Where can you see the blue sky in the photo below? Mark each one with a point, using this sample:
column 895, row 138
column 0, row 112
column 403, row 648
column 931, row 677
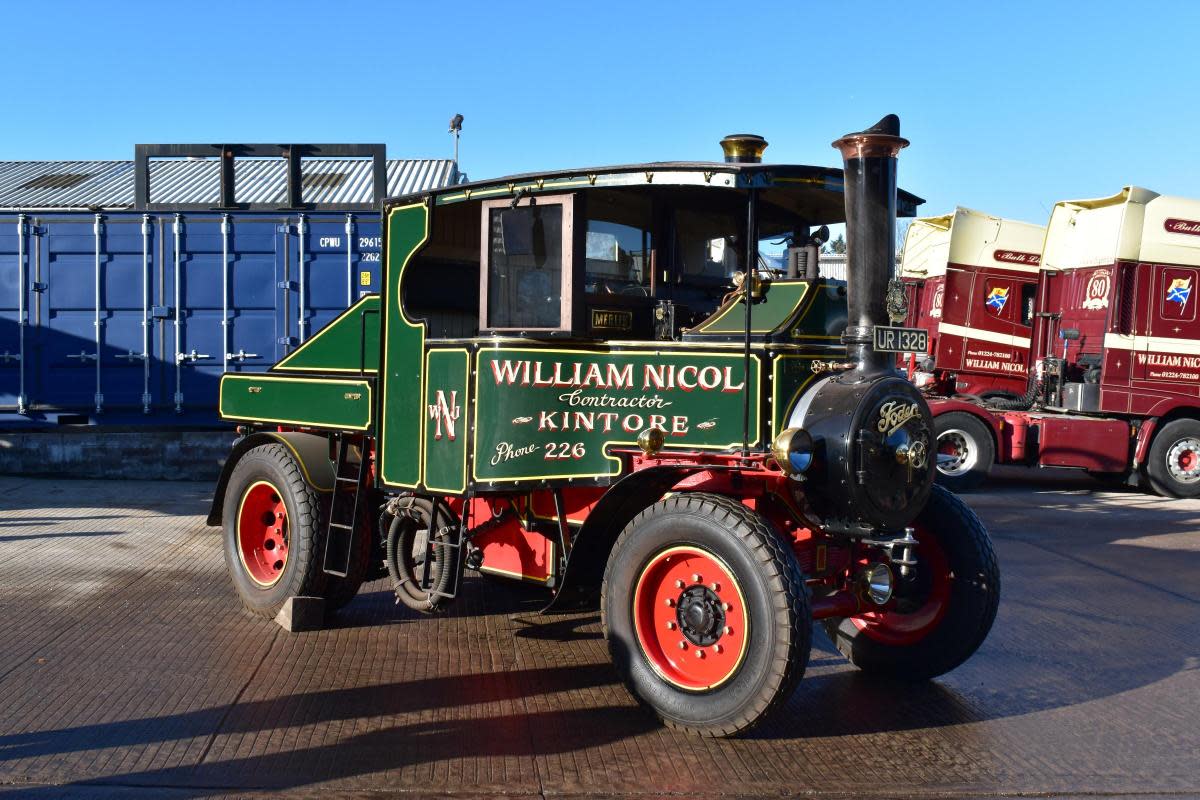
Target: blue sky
column 1010, row 106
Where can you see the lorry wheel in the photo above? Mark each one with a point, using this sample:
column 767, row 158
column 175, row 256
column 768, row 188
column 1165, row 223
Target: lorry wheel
column 706, row 614
column 965, row 451
column 272, row 534
column 942, row 612
column 1173, row 464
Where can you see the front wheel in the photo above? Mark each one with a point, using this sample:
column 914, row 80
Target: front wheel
column 965, row 451
column 706, row 614
column 1173, row 464
column 943, row 612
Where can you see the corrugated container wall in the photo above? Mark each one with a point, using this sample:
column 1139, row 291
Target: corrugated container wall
column 120, row 317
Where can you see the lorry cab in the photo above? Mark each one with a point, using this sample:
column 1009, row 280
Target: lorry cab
column 1116, row 349
column 982, row 275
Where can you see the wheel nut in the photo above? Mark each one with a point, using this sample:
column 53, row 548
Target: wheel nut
column 727, row 631
column 727, row 606
column 699, row 654
column 695, row 578
column 717, row 649
column 670, row 603
column 670, row 625
column 682, row 644
column 716, row 587
column 678, row 584
column 277, row 531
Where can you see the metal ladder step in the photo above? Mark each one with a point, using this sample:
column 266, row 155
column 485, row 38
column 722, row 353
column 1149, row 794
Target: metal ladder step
column 340, row 528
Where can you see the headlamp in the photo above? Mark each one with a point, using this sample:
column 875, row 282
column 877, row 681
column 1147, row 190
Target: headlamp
column 793, row 451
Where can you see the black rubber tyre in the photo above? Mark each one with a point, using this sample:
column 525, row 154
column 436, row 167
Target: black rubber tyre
column 405, row 561
column 301, row 574
column 974, row 595
column 975, row 451
column 1166, row 469
column 777, row 610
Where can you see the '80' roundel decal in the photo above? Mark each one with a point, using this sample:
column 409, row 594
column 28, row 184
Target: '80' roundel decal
column 1098, row 288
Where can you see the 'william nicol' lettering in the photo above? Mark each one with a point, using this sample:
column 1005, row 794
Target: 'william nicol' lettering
column 593, row 375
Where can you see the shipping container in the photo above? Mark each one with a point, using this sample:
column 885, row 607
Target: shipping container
column 130, row 315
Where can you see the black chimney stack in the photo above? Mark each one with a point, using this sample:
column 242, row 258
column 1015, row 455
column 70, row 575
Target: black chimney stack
column 870, row 180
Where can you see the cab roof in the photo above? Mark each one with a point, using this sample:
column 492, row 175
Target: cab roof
column 824, row 203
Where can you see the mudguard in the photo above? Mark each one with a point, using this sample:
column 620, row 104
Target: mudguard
column 588, row 558
column 310, row 450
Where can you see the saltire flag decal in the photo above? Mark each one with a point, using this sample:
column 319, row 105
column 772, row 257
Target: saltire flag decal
column 1179, row 291
column 997, row 298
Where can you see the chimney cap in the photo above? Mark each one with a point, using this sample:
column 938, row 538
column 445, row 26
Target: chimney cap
column 743, row 148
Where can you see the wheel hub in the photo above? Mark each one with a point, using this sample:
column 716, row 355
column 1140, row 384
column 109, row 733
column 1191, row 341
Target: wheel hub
column 701, row 617
column 690, row 618
column 1183, row 460
column 262, row 532
column 955, row 454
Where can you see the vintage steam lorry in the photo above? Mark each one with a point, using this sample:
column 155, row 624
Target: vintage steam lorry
column 972, row 280
column 585, row 380
column 1115, row 382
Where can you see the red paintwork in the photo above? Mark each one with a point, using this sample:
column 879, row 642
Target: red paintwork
column 262, row 530
column 1137, row 386
column 974, row 365
column 891, row 627
column 661, row 589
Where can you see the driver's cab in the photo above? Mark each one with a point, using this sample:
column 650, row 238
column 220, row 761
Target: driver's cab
column 637, row 253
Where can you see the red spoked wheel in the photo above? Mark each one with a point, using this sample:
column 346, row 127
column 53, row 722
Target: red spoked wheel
column 690, row 618
column 910, row 617
column 262, row 533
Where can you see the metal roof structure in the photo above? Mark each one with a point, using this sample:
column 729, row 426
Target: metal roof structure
column 109, row 185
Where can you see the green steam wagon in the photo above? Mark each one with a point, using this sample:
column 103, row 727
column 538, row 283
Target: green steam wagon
column 589, row 380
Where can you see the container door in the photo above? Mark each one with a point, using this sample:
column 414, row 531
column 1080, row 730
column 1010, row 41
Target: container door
column 253, row 286
column 335, row 260
column 14, row 298
column 126, row 276
column 222, row 313
column 66, row 370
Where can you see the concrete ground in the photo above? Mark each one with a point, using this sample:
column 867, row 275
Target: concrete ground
column 128, row 669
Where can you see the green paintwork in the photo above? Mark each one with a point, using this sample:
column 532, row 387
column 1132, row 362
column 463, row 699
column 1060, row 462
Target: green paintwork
column 402, row 415
column 518, row 416
column 339, row 346
column 446, row 399
column 340, row 403
column 824, row 315
column 768, row 315
column 791, row 376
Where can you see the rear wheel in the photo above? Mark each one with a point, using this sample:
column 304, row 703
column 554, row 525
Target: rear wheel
column 943, row 612
column 706, row 614
column 966, row 451
column 1173, row 464
column 272, row 533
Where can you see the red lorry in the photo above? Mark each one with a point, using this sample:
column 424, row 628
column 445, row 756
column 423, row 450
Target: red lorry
column 971, row 280
column 1115, row 353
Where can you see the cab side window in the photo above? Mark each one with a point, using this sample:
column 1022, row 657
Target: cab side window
column 1028, row 303
column 527, row 252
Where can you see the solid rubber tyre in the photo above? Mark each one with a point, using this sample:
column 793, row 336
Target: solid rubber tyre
column 976, row 459
column 301, row 575
column 1166, row 476
column 970, row 595
column 776, row 609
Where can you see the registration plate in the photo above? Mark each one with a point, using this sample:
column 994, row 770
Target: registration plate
column 901, row 340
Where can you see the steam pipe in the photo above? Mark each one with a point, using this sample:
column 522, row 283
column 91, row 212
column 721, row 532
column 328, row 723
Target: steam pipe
column 869, row 159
